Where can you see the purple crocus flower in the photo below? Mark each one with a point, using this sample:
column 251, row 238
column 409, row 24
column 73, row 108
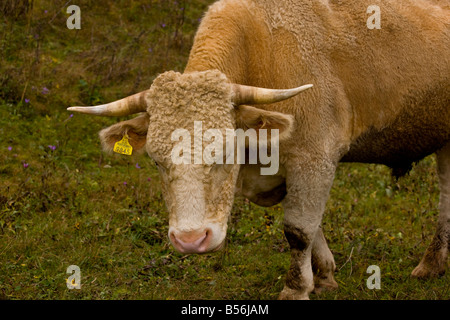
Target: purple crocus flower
column 137, row 166
column 52, row 147
column 27, row 100
column 9, row 148
column 25, row 165
column 45, row 90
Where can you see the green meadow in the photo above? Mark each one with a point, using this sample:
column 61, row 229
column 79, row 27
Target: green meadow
column 64, row 202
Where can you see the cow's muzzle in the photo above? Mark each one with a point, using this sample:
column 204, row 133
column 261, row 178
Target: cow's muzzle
column 195, row 241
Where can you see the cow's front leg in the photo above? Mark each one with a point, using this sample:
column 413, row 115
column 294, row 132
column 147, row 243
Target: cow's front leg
column 308, row 189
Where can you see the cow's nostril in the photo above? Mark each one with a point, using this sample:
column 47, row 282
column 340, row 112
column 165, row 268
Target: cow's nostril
column 191, row 241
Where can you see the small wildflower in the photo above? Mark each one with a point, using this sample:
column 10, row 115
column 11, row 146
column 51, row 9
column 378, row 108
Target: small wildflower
column 150, row 50
column 45, row 90
column 124, row 183
column 149, row 179
column 27, row 100
column 137, row 166
column 163, row 25
column 52, row 147
column 25, row 165
column 69, row 117
column 46, row 11
column 9, row 148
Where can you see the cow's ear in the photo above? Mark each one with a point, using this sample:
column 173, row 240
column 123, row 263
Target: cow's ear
column 136, row 129
column 251, row 117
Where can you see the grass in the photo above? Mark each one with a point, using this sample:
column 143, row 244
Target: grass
column 63, row 202
column 71, row 206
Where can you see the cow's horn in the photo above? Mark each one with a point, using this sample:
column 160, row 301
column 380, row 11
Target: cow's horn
column 123, row 107
column 254, row 95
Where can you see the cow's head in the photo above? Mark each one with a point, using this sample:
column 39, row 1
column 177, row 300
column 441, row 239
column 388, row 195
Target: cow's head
column 198, row 194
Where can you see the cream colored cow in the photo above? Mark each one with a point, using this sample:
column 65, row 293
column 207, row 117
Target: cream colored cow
column 379, row 96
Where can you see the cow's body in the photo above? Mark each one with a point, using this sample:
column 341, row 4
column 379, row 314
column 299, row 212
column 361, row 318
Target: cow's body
column 374, row 82
column 379, row 96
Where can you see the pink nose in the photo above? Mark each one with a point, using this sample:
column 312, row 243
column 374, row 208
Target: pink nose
column 191, row 241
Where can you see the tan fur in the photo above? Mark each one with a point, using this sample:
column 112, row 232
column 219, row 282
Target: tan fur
column 356, row 72
column 250, row 117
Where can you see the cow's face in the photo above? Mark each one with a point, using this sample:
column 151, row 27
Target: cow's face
column 180, row 131
column 198, row 193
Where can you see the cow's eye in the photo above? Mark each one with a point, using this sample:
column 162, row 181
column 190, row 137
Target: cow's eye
column 160, row 166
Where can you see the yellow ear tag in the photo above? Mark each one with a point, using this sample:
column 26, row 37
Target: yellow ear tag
column 123, row 146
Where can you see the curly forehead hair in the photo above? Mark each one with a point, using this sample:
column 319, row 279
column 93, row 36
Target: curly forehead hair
column 176, row 101
column 190, row 90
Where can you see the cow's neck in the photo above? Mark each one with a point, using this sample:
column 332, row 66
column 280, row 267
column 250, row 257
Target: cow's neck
column 263, row 190
column 234, row 48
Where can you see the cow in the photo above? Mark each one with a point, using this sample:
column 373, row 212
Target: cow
column 379, row 95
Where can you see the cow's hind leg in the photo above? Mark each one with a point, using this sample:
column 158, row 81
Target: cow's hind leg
column 323, row 264
column 434, row 261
